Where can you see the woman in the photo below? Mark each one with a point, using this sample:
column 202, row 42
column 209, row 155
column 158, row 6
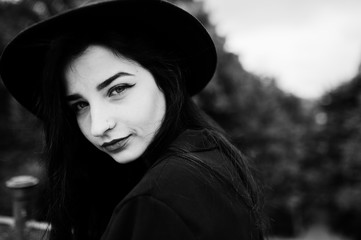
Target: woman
column 130, row 156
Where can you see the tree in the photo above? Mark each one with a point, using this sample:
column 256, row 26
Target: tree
column 334, row 162
column 269, row 125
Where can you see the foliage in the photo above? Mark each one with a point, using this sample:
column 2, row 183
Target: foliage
column 335, row 159
column 269, row 125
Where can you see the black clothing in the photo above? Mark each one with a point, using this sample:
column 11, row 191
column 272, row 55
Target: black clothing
column 183, row 199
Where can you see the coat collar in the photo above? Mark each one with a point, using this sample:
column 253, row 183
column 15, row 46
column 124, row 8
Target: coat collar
column 194, row 141
column 189, row 141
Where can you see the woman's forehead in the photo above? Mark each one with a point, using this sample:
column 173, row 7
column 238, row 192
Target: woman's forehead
column 96, row 64
column 97, row 53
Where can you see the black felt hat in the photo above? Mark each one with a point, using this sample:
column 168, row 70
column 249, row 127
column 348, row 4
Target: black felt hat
column 23, row 60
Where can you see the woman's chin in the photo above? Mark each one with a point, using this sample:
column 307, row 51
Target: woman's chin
column 124, row 157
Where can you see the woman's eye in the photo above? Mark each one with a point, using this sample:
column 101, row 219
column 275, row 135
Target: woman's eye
column 118, row 89
column 78, row 106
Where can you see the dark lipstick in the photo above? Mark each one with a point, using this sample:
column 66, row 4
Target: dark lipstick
column 115, row 145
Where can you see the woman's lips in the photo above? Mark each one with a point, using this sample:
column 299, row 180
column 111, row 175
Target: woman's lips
column 116, row 145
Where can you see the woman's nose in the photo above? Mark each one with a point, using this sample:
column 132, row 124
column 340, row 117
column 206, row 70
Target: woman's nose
column 101, row 121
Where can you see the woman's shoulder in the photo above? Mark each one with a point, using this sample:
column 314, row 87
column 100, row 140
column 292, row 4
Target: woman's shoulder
column 182, row 194
column 186, row 195
column 196, row 166
column 175, row 176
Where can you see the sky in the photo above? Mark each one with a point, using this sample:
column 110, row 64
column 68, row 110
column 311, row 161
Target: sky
column 308, row 46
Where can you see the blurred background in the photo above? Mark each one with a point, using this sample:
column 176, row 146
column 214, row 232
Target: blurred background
column 303, row 142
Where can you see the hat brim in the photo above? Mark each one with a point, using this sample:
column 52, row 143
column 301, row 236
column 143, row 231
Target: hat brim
column 23, row 60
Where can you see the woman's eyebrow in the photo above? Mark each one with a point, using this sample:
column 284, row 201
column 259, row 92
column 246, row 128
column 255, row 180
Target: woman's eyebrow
column 111, row 79
column 101, row 86
column 72, row 97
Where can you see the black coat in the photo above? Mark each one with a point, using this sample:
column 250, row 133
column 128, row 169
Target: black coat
column 181, row 199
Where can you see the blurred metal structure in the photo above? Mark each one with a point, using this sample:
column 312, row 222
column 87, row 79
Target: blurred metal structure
column 22, row 188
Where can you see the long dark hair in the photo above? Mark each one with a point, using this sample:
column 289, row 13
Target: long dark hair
column 79, row 204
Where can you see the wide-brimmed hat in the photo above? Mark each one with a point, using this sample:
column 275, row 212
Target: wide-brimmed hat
column 23, row 60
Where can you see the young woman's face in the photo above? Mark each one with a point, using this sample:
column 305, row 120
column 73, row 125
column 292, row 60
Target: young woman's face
column 118, row 105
